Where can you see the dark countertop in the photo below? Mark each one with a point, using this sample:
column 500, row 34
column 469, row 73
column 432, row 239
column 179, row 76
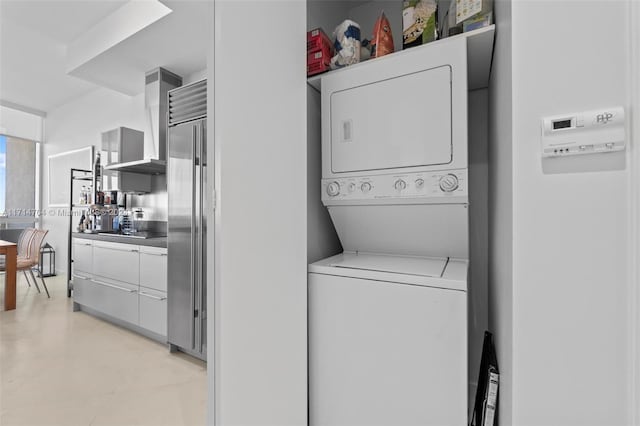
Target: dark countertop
column 150, row 242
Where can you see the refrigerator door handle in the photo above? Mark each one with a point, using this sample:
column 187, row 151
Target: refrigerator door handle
column 201, row 235
column 198, row 253
column 194, row 248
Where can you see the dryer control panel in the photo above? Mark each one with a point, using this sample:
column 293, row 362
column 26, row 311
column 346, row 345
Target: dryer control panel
column 435, row 187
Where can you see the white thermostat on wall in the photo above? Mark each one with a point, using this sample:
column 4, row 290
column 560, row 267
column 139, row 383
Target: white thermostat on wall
column 588, row 132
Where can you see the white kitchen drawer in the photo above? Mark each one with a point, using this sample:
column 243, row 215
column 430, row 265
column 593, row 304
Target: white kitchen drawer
column 116, row 261
column 153, row 250
column 83, row 291
column 153, row 310
column 153, row 268
column 117, row 299
column 82, row 255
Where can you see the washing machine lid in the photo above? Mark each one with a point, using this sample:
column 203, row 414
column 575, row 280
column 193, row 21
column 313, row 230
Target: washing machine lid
column 421, row 266
column 440, row 272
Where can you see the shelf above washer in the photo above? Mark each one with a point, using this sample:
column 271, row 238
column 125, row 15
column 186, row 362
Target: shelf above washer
column 479, row 58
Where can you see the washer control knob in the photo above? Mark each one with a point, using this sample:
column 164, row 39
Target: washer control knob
column 365, row 187
column 449, row 183
column 400, row 185
column 333, row 189
column 419, row 183
column 352, row 187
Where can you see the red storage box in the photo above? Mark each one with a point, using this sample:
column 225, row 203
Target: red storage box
column 317, row 41
column 318, row 62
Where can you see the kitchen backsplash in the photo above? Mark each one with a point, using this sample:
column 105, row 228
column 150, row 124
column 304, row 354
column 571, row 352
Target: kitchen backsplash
column 151, row 226
column 155, row 204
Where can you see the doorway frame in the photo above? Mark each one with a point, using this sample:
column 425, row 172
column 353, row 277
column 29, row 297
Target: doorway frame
column 634, row 198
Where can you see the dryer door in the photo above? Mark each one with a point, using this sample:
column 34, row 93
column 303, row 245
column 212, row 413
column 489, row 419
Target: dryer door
column 395, row 123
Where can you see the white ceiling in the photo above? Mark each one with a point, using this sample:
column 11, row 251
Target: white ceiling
column 62, row 21
column 35, row 35
column 177, row 42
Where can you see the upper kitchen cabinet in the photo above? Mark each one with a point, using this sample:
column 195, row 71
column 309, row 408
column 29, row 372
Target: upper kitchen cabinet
column 138, row 37
column 328, row 14
column 123, row 146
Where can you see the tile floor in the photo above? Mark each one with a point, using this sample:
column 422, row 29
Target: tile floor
column 59, row 367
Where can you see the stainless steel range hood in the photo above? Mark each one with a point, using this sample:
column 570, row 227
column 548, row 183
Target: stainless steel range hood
column 148, row 166
column 157, row 83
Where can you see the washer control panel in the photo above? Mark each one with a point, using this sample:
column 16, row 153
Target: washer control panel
column 439, row 184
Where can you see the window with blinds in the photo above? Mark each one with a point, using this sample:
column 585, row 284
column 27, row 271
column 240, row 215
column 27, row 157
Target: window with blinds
column 18, row 180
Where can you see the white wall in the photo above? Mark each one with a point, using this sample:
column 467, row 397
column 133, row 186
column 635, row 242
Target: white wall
column 322, row 239
column 20, row 124
column 571, row 321
column 261, row 246
column 478, row 297
column 193, row 77
column 213, row 220
column 634, row 18
column 501, row 206
column 327, row 14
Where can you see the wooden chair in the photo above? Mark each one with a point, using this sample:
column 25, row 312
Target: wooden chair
column 24, row 240
column 32, row 258
column 24, row 245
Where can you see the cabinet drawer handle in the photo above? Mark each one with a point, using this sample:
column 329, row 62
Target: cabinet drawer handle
column 128, row 290
column 83, row 244
column 118, row 249
column 154, row 254
column 81, row 277
column 142, row 293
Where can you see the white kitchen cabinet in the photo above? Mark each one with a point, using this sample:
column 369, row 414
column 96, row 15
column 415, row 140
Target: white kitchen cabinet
column 153, row 310
column 153, row 268
column 114, row 298
column 116, row 261
column 82, row 255
column 83, row 291
column 124, row 281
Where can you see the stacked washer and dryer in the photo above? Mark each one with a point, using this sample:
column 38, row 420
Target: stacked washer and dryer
column 388, row 316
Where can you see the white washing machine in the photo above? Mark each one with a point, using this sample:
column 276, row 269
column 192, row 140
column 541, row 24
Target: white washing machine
column 388, row 317
column 387, row 341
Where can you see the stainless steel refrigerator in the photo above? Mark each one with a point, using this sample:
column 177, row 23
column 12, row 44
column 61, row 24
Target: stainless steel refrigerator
column 187, row 225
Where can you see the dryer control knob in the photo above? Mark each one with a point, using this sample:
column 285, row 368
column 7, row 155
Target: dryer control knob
column 449, row 183
column 365, row 187
column 400, row 185
column 333, row 189
column 419, row 183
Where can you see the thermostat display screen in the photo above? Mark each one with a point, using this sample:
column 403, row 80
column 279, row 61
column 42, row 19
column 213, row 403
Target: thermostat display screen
column 562, row 124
